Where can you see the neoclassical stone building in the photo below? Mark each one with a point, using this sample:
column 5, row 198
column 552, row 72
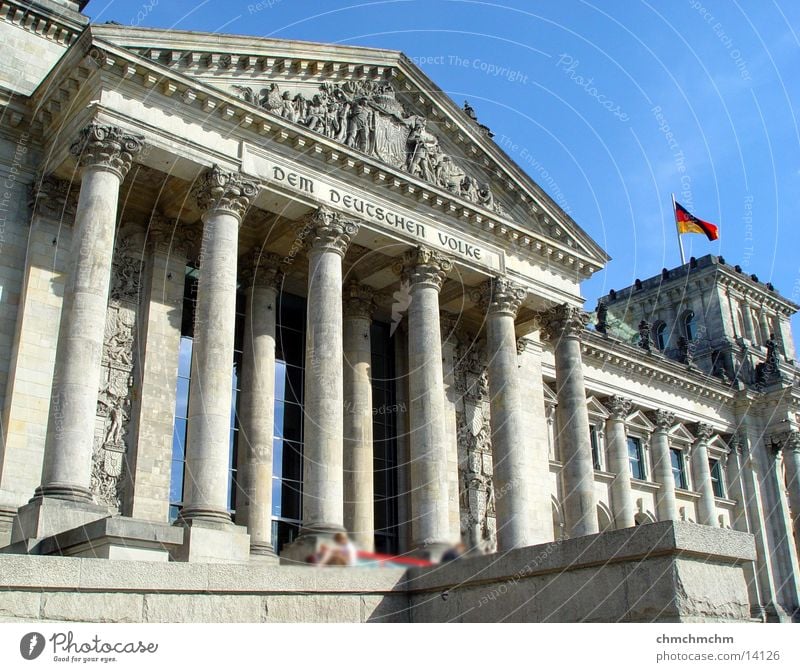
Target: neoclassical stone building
column 257, row 291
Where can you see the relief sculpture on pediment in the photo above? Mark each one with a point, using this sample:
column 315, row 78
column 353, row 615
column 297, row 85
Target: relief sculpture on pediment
column 366, row 116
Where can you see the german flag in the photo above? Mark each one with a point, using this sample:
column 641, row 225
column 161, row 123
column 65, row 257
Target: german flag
column 688, row 223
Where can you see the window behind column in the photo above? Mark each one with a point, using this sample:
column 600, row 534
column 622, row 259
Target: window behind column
column 636, row 458
column 384, row 429
column 678, row 468
column 595, row 441
column 179, row 431
column 287, row 446
column 715, row 467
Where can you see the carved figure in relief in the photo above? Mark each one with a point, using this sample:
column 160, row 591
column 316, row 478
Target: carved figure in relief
column 359, row 125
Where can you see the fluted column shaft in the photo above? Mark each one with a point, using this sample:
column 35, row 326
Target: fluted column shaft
column 666, row 504
column 105, row 154
column 223, row 197
column 501, row 300
column 328, row 236
column 564, row 325
column 706, row 507
column 425, row 271
column 619, row 462
column 359, row 504
column 747, row 317
column 257, row 402
column 791, row 460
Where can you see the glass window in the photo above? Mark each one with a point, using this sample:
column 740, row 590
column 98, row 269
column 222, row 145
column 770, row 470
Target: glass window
column 595, row 447
column 661, row 335
column 636, row 458
column 678, row 468
column 690, row 326
column 716, row 478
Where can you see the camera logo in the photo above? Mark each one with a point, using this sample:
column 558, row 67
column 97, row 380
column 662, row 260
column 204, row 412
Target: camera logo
column 31, row 645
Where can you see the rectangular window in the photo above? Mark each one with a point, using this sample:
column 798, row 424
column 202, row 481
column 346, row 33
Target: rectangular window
column 593, row 437
column 716, row 478
column 636, row 458
column 678, row 468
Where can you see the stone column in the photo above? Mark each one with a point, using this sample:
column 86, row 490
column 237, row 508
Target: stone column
column 328, row 236
column 104, row 154
column 153, row 414
column 425, row 271
column 666, row 504
column 500, row 299
column 706, row 507
column 791, row 461
column 223, row 198
column 747, row 318
column 564, row 325
column 763, row 324
column 359, row 504
column 263, row 279
column 619, row 463
column 448, row 322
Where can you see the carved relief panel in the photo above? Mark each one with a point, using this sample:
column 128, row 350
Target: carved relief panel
column 111, row 441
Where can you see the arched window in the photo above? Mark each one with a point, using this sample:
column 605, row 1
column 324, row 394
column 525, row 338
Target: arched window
column 740, row 320
column 689, row 325
column 661, row 335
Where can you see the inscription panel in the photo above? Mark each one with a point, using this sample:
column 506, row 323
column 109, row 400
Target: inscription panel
column 384, row 216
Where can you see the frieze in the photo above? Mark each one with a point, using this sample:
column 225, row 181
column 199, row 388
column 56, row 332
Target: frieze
column 366, row 116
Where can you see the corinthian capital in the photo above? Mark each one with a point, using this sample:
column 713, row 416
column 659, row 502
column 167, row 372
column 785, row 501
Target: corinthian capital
column 218, row 189
column 262, row 269
column 619, row 407
column 500, row 296
column 703, row 431
column 423, row 267
column 108, row 147
column 789, row 441
column 327, row 231
column 53, row 197
column 663, row 420
column 358, row 300
column 564, row 321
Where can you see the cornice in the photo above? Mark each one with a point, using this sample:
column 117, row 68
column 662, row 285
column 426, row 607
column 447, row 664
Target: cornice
column 227, row 107
column 609, row 351
column 52, row 26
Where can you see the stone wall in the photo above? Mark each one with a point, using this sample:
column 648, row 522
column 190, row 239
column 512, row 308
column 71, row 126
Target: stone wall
column 664, row 572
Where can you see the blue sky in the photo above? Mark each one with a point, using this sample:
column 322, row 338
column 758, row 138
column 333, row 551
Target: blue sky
column 610, row 106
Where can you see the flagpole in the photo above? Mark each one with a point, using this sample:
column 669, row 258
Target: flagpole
column 677, row 230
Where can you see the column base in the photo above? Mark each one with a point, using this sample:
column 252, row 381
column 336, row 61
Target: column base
column 44, row 517
column 63, row 491
column 263, row 554
column 110, row 538
column 7, row 515
column 211, row 541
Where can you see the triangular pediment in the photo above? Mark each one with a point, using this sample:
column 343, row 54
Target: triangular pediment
column 372, row 102
column 639, row 420
column 595, row 408
column 680, row 433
